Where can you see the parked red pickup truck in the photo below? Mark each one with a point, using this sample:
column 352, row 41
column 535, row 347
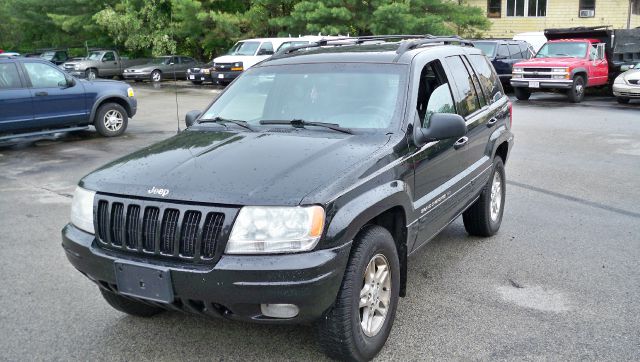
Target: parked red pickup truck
column 574, row 59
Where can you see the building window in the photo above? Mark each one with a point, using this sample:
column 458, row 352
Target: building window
column 635, row 7
column 526, row 7
column 587, row 8
column 494, row 8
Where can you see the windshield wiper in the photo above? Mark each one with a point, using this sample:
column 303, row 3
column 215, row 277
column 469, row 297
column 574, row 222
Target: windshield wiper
column 221, row 120
column 301, row 123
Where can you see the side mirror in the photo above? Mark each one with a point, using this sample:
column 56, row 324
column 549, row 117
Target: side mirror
column 191, row 117
column 442, row 126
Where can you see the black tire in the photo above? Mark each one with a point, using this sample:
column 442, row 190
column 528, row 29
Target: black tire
column 622, row 100
column 340, row 333
column 102, row 121
column 576, row 93
column 137, row 80
column 91, row 74
column 196, row 82
column 522, row 94
column 478, row 219
column 130, row 306
column 156, row 76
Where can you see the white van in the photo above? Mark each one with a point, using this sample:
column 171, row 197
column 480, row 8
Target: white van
column 535, row 38
column 246, row 53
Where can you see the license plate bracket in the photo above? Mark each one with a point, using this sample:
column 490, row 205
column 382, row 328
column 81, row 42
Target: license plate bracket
column 142, row 281
column 192, row 77
column 534, row 84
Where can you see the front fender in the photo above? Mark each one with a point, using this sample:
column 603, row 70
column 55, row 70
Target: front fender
column 351, row 215
column 578, row 70
column 104, row 97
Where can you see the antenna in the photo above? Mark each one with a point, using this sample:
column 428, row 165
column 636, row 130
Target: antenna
column 173, row 66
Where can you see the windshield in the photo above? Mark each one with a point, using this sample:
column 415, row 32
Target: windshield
column 349, row 95
column 244, row 48
column 289, row 44
column 47, row 55
column 563, row 49
column 161, row 60
column 488, row 49
column 95, row 56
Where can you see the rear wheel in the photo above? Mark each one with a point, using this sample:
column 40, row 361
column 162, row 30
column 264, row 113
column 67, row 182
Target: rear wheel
column 623, row 100
column 359, row 323
column 111, row 120
column 576, row 93
column 484, row 217
column 130, row 306
column 522, row 94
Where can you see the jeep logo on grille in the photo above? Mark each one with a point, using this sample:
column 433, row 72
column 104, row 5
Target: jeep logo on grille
column 158, row 191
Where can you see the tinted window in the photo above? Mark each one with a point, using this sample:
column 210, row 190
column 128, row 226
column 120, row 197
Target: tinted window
column 488, row 48
column 187, row 60
column 489, row 80
column 434, row 93
column 514, row 49
column 9, row 77
column 44, row 76
column 109, row 57
column 476, row 83
column 503, row 51
column 467, row 97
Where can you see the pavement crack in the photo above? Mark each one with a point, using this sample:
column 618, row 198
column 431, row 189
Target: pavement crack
column 576, row 199
column 516, row 284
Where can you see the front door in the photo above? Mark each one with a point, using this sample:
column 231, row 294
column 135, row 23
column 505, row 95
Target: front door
column 110, row 65
column 16, row 109
column 437, row 164
column 55, row 104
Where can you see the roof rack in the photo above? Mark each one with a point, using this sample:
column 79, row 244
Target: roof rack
column 413, row 41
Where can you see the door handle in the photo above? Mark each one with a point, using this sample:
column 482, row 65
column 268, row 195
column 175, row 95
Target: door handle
column 492, row 122
column 461, row 142
column 41, row 94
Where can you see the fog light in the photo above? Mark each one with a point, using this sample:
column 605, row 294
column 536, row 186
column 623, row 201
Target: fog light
column 279, row 310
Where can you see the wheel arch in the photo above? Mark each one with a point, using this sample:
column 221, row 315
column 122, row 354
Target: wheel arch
column 110, row 99
column 387, row 206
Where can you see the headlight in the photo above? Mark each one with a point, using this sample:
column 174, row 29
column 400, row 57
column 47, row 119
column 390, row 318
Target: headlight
column 518, row 70
column 619, row 80
column 82, row 209
column 237, row 66
column 559, row 70
column 206, row 70
column 130, row 92
column 76, row 67
column 267, row 230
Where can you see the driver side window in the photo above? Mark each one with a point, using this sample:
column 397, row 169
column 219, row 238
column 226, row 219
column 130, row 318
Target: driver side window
column 109, row 57
column 44, row 76
column 434, row 94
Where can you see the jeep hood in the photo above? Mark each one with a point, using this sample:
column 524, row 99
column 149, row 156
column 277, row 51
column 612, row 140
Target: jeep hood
column 550, row 62
column 247, row 168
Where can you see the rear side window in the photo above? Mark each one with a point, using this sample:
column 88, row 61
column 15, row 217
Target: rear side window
column 434, row 93
column 467, row 95
column 9, row 77
column 524, row 49
column 489, row 80
column 266, row 48
column 503, row 51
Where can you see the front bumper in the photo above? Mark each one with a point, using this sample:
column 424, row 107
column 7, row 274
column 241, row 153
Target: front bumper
column 626, row 90
column 77, row 73
column 543, row 83
column 137, row 75
column 235, row 286
column 200, row 77
column 225, row 76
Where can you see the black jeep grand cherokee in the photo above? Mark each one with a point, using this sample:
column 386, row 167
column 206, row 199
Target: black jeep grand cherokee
column 301, row 191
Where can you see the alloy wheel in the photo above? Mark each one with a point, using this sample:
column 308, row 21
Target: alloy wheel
column 496, row 196
column 113, row 120
column 375, row 295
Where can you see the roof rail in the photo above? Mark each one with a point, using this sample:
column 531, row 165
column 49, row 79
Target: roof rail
column 413, row 41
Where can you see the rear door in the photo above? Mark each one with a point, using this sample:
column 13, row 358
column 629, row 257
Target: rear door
column 16, row 108
column 502, row 62
column 54, row 103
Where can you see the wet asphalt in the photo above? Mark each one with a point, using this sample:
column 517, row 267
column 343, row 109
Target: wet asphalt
column 560, row 281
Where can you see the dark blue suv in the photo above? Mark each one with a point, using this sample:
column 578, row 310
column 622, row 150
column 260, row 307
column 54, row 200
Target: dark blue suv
column 37, row 98
column 504, row 54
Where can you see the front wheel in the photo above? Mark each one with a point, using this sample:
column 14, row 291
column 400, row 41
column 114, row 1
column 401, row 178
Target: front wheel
column 156, row 76
column 522, row 94
column 111, row 120
column 484, row 217
column 359, row 323
column 622, row 100
column 130, row 306
column 91, row 74
column 576, row 93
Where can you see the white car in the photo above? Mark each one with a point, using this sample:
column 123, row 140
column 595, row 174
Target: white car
column 627, row 85
column 9, row 54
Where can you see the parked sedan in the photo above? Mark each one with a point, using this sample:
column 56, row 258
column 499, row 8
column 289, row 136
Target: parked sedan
column 627, row 85
column 200, row 74
column 161, row 68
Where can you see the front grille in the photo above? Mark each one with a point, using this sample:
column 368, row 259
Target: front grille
column 634, row 81
column 162, row 229
column 223, row 66
column 537, row 69
column 537, row 76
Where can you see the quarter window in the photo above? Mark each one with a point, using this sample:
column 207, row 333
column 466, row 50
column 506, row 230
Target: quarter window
column 467, row 100
column 526, row 7
column 9, row 77
column 434, row 93
column 44, row 76
column 494, row 8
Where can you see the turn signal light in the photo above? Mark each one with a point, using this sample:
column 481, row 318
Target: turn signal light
column 237, row 68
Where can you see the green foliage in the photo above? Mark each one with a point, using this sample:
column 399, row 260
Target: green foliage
column 204, row 28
